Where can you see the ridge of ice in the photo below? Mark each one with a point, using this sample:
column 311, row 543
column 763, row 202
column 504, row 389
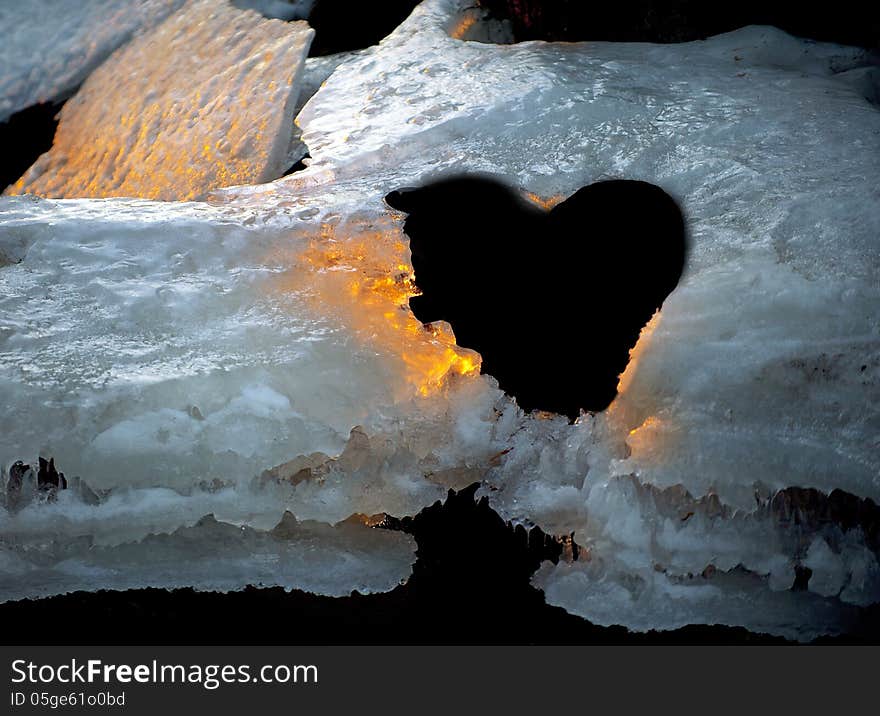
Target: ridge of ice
column 219, row 556
column 183, row 122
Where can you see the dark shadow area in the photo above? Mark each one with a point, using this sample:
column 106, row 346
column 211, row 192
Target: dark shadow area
column 298, row 167
column 469, row 586
column 553, row 301
column 24, row 137
column 848, row 22
column 344, row 25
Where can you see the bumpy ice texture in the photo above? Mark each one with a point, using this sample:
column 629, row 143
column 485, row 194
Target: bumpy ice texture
column 207, row 102
column 243, row 339
column 761, row 371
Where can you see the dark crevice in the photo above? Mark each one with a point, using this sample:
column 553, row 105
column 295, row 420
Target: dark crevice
column 24, row 137
column 801, row 579
column 48, row 477
column 345, row 25
column 450, row 534
column 299, row 166
column 813, row 512
column 552, row 300
column 340, row 25
column 849, row 22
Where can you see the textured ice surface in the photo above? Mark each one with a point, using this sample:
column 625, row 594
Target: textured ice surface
column 279, row 311
column 165, row 352
column 50, row 46
column 45, row 557
column 207, row 102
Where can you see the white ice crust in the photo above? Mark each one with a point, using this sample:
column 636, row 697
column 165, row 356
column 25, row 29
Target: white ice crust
column 50, row 46
column 264, row 309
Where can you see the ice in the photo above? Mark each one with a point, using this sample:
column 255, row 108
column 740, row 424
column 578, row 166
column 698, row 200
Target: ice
column 184, row 121
column 179, row 357
column 761, row 371
column 50, row 46
column 262, row 339
column 182, row 345
column 219, row 556
column 657, row 603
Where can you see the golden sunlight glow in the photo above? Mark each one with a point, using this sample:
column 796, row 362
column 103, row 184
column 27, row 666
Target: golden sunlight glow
column 160, row 121
column 652, row 422
column 635, row 354
column 544, row 202
column 466, row 23
column 653, row 439
column 633, row 412
column 362, row 276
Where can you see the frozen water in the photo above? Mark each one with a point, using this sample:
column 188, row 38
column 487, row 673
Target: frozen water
column 173, row 354
column 184, row 121
column 167, row 346
column 47, row 558
column 50, row 46
column 160, row 347
column 762, row 369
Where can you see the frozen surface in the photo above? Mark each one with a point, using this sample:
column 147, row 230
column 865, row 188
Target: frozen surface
column 49, row 47
column 50, row 558
column 207, row 102
column 279, row 312
column 181, row 358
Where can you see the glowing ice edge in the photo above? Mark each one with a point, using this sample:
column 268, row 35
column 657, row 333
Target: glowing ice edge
column 761, row 372
column 179, row 125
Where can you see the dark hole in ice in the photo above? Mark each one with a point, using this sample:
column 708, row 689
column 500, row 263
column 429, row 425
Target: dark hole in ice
column 340, row 25
column 801, row 579
column 24, row 137
column 552, row 300
column 299, row 166
column 344, row 25
column 849, row 22
column 48, row 476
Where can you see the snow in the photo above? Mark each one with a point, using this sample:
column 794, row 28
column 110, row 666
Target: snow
column 50, row 46
column 278, row 311
column 184, row 121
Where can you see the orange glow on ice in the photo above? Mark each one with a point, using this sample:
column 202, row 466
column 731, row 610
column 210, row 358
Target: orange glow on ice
column 544, row 202
column 160, row 121
column 463, row 25
column 633, row 413
column 366, row 281
column 635, row 355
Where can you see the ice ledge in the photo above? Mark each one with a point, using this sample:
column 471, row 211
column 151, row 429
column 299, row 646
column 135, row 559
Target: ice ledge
column 183, row 122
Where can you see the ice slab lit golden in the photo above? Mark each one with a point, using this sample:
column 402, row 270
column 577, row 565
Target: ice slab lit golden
column 203, row 101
